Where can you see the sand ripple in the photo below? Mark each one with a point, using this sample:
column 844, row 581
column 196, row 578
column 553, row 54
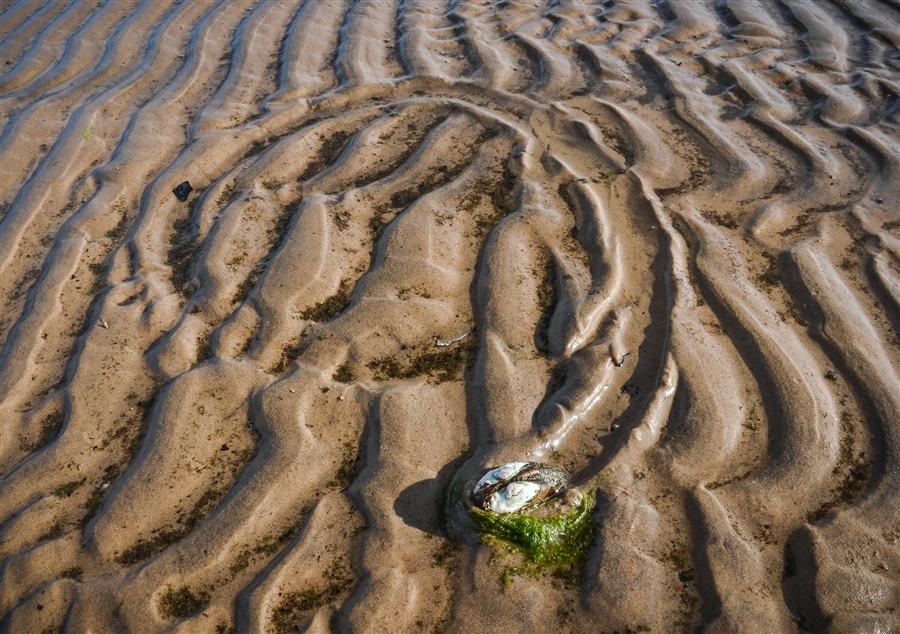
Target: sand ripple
column 669, row 228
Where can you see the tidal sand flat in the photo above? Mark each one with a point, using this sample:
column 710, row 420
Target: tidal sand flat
column 281, row 279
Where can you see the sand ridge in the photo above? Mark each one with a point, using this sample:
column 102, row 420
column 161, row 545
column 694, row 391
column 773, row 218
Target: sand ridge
column 655, row 243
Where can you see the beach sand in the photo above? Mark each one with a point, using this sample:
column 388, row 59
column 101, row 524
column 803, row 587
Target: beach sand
column 654, row 243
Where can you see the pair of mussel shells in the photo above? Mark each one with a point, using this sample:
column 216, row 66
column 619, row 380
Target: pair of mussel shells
column 519, row 486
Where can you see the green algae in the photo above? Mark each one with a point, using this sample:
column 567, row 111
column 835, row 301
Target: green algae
column 559, row 539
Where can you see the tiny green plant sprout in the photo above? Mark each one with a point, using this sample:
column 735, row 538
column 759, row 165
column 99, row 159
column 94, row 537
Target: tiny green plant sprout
column 528, row 507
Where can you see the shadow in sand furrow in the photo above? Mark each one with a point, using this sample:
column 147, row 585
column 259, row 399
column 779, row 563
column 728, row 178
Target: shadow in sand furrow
column 352, row 227
column 290, row 591
column 566, row 22
column 617, row 548
column 575, row 320
column 822, row 35
column 82, row 360
column 802, row 430
column 229, row 247
column 741, row 169
column 871, row 26
column 752, row 21
column 505, row 363
column 688, row 20
column 556, row 75
column 395, row 460
column 200, row 432
column 785, row 215
column 362, row 162
column 113, row 430
column 710, row 413
column 886, row 280
column 46, row 339
column 246, row 220
column 399, row 33
column 247, row 525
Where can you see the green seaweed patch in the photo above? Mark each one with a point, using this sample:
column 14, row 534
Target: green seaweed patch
column 555, row 540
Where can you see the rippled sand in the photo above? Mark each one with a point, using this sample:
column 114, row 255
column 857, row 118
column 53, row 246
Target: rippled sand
column 671, row 227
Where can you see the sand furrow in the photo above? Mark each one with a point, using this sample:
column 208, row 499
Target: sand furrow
column 825, row 40
column 309, row 48
column 72, row 155
column 367, row 52
column 100, row 83
column 19, row 15
column 711, row 414
column 429, row 42
column 740, row 168
column 408, row 459
column 85, row 50
column 47, row 45
column 849, row 593
column 804, row 442
column 254, row 60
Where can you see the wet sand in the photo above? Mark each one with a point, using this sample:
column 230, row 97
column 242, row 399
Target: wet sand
column 654, row 243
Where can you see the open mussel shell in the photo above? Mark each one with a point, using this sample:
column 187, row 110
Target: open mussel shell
column 519, row 486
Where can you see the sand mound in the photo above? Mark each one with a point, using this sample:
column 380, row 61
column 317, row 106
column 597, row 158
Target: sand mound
column 655, row 243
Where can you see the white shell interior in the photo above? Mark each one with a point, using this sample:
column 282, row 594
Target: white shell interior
column 501, row 473
column 514, row 496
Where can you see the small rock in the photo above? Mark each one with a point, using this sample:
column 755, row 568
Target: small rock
column 181, row 192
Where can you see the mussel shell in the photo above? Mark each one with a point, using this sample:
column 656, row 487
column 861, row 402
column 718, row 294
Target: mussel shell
column 519, row 486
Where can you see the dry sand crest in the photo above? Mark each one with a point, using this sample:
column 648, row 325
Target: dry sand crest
column 671, row 227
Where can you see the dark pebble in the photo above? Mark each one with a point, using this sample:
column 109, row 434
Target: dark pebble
column 181, row 192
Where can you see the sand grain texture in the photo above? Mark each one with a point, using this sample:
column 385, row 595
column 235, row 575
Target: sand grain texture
column 669, row 228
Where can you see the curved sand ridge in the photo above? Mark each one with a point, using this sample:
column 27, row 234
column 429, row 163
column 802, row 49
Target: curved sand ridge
column 671, row 228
